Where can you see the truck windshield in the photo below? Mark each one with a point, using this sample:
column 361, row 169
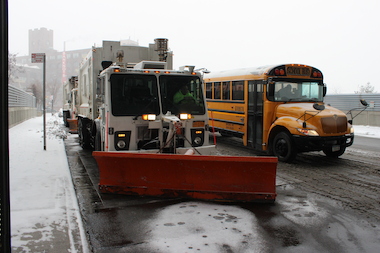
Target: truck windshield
column 298, row 91
column 182, row 94
column 134, row 95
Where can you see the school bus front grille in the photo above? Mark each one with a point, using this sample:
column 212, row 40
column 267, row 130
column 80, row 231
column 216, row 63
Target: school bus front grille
column 334, row 125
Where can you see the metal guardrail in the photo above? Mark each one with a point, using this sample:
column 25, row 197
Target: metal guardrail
column 20, row 98
column 346, row 102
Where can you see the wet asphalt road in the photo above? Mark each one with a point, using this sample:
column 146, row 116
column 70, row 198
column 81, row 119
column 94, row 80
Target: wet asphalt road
column 323, row 205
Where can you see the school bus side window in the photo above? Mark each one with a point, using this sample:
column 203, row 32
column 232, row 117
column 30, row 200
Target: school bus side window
column 238, row 90
column 226, row 90
column 217, row 90
column 208, row 90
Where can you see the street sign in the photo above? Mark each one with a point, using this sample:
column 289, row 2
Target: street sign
column 38, row 58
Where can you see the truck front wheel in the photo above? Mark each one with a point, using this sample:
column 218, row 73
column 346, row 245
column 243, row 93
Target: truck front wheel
column 283, row 147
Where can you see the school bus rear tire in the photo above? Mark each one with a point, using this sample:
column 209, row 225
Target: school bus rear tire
column 283, row 147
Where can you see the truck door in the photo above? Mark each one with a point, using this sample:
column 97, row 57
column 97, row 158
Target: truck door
column 255, row 114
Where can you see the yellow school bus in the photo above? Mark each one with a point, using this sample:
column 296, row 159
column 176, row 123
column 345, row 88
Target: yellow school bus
column 278, row 109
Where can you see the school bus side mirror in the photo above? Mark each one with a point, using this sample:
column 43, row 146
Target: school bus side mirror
column 324, row 90
column 270, row 88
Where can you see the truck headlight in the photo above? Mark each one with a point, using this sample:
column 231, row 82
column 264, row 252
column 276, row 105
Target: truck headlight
column 197, row 137
column 122, row 139
column 198, row 140
column 185, row 116
column 308, row 132
column 150, row 117
column 121, row 144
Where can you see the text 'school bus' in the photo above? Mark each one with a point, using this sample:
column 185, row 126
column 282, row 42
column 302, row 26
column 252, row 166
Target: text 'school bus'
column 278, row 109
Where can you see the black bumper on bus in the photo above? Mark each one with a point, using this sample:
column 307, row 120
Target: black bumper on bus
column 317, row 143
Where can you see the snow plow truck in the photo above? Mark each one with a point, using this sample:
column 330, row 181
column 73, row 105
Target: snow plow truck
column 148, row 126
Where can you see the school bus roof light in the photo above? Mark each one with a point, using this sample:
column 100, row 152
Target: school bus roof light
column 279, row 72
column 317, row 73
column 116, row 70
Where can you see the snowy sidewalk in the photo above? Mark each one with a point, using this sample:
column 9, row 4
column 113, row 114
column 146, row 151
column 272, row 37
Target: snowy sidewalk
column 44, row 210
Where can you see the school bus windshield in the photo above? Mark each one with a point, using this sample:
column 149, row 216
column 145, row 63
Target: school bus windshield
column 297, row 91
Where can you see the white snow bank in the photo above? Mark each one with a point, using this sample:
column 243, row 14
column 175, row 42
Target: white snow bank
column 367, row 131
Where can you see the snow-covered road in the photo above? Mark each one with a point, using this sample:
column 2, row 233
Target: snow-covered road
column 45, row 214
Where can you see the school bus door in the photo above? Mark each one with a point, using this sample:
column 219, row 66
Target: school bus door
column 255, row 114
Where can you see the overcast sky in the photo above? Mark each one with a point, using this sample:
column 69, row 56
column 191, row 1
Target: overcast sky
column 340, row 37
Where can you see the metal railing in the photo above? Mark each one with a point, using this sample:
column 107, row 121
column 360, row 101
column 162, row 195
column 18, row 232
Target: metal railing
column 20, row 98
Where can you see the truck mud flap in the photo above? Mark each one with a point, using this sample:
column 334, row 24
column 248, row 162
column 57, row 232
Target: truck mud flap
column 73, row 126
column 223, row 178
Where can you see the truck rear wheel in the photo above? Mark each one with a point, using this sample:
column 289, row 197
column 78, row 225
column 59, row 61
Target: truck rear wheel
column 84, row 134
column 283, row 147
column 66, row 115
column 334, row 154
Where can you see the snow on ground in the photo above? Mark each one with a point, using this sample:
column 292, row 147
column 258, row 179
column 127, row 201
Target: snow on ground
column 44, row 205
column 367, row 131
column 44, row 209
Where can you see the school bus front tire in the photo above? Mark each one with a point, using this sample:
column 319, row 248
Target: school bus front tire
column 283, row 147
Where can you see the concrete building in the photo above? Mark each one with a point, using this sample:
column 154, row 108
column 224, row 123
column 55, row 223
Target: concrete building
column 59, row 66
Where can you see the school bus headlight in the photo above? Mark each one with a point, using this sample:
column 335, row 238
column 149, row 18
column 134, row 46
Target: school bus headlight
column 352, row 130
column 151, row 117
column 184, row 116
column 308, row 132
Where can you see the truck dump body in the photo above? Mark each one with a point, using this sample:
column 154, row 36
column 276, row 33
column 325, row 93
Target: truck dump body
column 223, row 178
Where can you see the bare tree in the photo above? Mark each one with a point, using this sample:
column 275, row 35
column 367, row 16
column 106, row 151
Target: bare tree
column 13, row 68
column 54, row 88
column 366, row 89
column 36, row 89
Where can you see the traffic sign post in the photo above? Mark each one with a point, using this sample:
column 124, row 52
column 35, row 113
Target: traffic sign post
column 41, row 58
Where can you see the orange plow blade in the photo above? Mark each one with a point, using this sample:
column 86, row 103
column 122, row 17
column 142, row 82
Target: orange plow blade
column 223, row 178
